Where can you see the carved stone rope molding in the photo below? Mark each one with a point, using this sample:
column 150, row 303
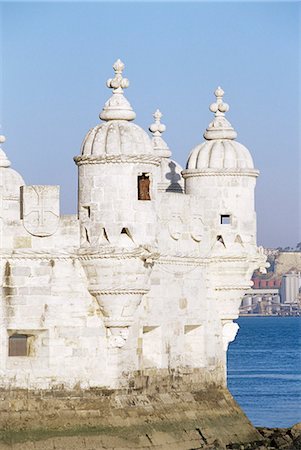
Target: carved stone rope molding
column 104, row 159
column 118, row 291
column 38, row 254
column 218, row 173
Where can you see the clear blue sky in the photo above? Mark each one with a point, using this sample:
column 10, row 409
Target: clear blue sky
column 56, row 57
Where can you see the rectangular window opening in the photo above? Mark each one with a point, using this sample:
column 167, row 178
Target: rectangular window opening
column 225, row 219
column 144, row 187
column 18, row 345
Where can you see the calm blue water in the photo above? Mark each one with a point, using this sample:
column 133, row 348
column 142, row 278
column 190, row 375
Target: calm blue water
column 264, row 370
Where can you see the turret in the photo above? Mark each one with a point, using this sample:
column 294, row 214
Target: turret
column 117, row 169
column 10, row 183
column 117, row 172
column 221, row 178
column 221, row 174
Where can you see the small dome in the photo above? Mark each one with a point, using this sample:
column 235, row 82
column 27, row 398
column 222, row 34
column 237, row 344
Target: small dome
column 220, row 150
column 116, row 137
column 10, row 180
column 220, row 154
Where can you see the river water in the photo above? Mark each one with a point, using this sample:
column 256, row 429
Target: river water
column 264, row 370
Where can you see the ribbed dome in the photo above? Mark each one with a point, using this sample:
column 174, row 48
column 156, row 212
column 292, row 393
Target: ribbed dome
column 10, row 181
column 220, row 154
column 116, row 137
column 220, row 150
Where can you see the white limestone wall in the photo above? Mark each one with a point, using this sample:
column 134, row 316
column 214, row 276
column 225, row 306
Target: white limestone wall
column 66, row 236
column 108, row 200
column 182, row 226
column 222, row 194
column 47, row 299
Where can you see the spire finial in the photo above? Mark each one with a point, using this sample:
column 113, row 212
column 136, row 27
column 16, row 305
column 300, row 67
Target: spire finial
column 219, row 107
column 117, row 107
column 4, row 161
column 118, row 83
column 157, row 129
column 220, row 127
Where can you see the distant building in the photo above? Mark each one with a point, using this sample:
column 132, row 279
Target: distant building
column 290, row 287
column 273, row 294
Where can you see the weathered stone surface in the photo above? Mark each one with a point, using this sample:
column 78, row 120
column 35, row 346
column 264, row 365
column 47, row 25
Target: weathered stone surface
column 127, row 308
column 124, row 416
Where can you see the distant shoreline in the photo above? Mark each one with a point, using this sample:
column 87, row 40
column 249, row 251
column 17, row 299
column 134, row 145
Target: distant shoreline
column 265, row 315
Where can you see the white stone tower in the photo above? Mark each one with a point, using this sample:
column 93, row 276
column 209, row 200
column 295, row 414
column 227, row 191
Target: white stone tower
column 221, row 173
column 116, row 209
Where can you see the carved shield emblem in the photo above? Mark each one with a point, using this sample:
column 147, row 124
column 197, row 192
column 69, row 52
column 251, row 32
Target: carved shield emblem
column 176, row 227
column 197, row 228
column 40, row 209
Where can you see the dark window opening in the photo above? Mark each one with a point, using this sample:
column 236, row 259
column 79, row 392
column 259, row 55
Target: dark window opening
column 220, row 239
column 88, row 211
column 126, row 231
column 105, row 235
column 126, row 235
column 18, row 345
column 225, row 219
column 87, row 235
column 143, row 187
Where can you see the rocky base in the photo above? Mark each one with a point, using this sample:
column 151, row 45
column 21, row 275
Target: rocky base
column 274, row 438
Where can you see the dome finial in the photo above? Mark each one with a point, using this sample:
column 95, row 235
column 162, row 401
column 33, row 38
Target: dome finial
column 219, row 107
column 118, row 83
column 157, row 129
column 4, row 162
column 117, row 107
column 220, row 127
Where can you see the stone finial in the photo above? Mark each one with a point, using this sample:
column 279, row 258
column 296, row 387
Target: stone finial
column 4, row 161
column 157, row 128
column 118, row 83
column 117, row 107
column 219, row 107
column 220, row 127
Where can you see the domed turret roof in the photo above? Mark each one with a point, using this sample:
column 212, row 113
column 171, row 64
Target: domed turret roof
column 220, row 150
column 117, row 135
column 10, row 180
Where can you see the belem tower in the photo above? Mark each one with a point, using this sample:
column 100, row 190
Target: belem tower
column 138, row 291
